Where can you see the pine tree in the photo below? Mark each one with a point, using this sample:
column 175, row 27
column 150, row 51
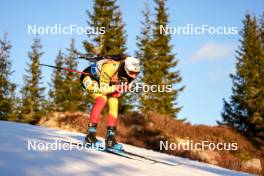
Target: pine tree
column 146, row 54
column 57, row 93
column 261, row 28
column 7, row 88
column 33, row 100
column 245, row 111
column 158, row 62
column 73, row 96
column 106, row 14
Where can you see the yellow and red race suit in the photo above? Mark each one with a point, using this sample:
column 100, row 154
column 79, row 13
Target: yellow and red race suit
column 104, row 90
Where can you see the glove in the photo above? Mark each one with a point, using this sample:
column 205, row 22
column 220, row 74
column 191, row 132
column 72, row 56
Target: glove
column 122, row 88
column 116, row 94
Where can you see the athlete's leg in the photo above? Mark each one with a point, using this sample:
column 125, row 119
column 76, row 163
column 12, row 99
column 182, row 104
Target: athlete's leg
column 100, row 102
column 112, row 118
column 113, row 111
column 91, row 87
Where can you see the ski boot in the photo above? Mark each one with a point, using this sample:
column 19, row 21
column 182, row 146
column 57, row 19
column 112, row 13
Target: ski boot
column 90, row 138
column 110, row 141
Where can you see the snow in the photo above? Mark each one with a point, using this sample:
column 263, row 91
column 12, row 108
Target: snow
column 16, row 159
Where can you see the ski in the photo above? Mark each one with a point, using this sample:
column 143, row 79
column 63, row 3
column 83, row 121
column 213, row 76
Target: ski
column 124, row 153
column 150, row 159
column 103, row 149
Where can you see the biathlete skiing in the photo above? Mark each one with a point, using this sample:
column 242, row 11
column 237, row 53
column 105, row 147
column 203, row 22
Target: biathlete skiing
column 106, row 81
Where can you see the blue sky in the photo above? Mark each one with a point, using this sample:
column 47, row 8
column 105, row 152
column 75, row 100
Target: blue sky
column 205, row 61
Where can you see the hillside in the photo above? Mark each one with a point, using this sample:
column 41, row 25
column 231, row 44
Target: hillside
column 146, row 131
column 15, row 159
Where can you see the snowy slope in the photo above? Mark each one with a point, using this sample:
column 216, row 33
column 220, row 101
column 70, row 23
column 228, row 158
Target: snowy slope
column 15, row 159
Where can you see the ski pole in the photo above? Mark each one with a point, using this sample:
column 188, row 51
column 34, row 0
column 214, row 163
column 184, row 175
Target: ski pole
column 67, row 69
